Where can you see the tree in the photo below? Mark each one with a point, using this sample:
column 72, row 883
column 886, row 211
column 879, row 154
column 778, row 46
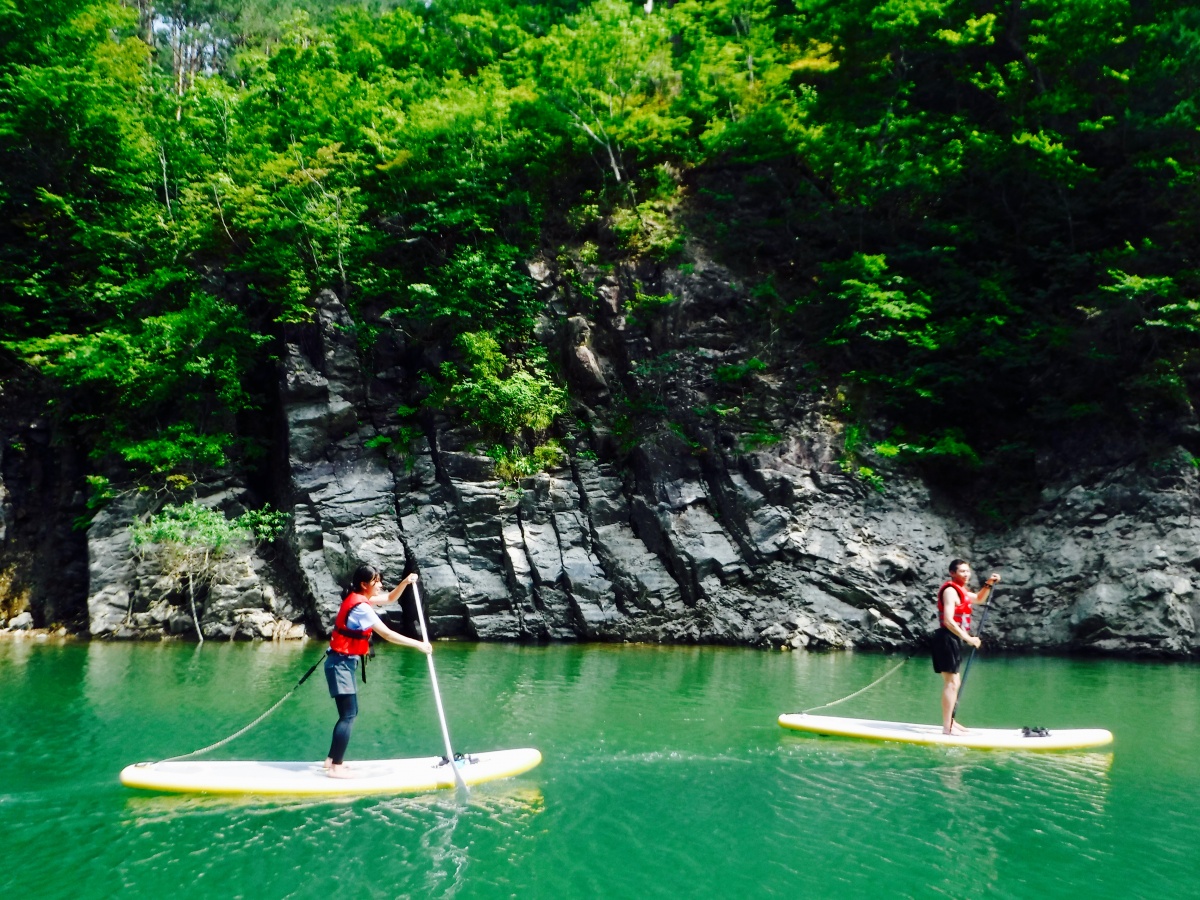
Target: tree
column 188, row 542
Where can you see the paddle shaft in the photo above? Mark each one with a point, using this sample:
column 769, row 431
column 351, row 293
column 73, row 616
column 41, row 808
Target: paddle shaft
column 437, row 694
column 970, row 656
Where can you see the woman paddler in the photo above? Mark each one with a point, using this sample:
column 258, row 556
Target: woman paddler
column 352, row 629
column 954, row 604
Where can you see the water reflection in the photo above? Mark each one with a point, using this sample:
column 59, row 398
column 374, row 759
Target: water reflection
column 490, row 799
column 969, row 814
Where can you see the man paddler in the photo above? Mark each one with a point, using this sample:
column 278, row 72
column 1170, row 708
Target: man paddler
column 954, row 603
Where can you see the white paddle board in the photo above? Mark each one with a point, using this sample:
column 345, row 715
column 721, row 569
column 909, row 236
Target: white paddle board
column 975, row 738
column 375, row 776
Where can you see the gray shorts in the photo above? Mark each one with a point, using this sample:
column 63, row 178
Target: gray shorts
column 339, row 673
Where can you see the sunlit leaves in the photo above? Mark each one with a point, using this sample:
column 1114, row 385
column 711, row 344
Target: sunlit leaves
column 500, row 395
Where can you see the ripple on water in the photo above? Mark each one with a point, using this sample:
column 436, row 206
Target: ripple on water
column 664, row 775
column 427, row 850
column 943, row 806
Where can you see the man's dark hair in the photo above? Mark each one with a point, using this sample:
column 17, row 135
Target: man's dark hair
column 954, row 564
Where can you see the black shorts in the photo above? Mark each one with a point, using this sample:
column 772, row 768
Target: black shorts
column 946, row 648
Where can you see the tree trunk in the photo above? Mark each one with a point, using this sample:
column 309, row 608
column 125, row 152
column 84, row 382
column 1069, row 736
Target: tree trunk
column 192, row 601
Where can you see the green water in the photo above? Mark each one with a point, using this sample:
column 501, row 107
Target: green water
column 665, row 774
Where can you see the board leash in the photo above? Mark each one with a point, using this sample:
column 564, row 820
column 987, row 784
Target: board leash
column 240, row 732
column 890, row 672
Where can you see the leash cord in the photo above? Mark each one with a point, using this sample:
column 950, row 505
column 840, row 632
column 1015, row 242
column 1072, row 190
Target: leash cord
column 890, row 672
column 238, row 734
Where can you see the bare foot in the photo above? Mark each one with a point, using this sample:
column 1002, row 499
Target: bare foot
column 328, row 762
column 955, row 728
column 340, row 771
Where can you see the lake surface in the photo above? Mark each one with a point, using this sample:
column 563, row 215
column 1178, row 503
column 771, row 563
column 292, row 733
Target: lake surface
column 665, row 775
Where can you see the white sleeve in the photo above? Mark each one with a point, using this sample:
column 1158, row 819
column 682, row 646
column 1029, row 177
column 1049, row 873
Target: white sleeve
column 363, row 618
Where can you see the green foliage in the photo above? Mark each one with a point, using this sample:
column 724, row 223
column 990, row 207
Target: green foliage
column 871, row 477
column 679, row 431
column 178, row 447
column 948, row 444
column 649, row 229
column 950, row 206
column 191, row 526
column 643, row 308
column 100, row 491
column 125, row 380
column 188, row 541
column 735, row 372
column 718, row 410
column 512, row 464
column 501, row 395
column 759, row 436
column 264, row 524
column 876, row 306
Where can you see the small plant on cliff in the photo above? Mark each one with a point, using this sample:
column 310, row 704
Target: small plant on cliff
column 643, row 308
column 513, row 465
column 736, row 372
column 187, row 541
column 500, row 394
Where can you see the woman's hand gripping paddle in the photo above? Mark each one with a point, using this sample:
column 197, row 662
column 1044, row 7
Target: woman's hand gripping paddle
column 987, row 607
column 437, row 695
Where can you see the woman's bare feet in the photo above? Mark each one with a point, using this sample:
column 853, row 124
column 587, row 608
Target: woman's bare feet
column 340, row 770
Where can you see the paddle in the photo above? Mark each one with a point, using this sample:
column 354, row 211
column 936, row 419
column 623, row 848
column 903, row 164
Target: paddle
column 967, row 668
column 437, row 694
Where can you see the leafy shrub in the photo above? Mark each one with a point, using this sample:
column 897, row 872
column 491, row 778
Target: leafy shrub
column 512, row 464
column 187, row 541
column 738, row 371
column 194, row 525
column 649, row 229
column 642, row 307
column 502, row 395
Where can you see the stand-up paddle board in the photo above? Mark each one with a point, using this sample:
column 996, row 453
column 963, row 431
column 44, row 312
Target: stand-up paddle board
column 975, row 739
column 376, row 776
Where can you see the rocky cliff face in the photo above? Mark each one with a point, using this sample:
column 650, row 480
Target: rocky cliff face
column 43, row 558
column 706, row 499
column 131, row 595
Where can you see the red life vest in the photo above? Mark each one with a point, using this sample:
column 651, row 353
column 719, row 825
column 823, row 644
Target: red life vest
column 349, row 641
column 962, row 609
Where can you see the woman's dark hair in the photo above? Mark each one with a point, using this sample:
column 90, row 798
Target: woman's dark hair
column 954, row 564
column 363, row 575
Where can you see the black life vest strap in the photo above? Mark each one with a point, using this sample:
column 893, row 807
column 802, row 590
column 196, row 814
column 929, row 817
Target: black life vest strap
column 352, row 632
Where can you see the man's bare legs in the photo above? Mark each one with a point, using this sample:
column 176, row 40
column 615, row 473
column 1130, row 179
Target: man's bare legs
column 950, row 683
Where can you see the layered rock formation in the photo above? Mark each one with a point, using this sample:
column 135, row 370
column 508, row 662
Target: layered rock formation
column 692, row 537
column 707, row 498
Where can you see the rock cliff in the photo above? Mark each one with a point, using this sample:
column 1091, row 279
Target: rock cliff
column 707, row 497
